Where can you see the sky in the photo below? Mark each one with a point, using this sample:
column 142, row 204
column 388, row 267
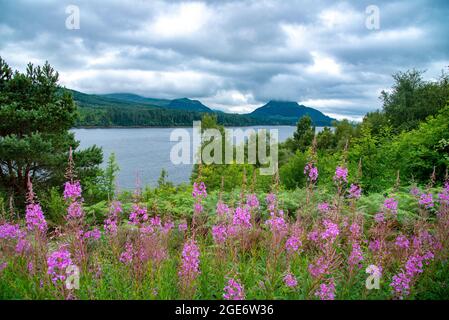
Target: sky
column 232, row 55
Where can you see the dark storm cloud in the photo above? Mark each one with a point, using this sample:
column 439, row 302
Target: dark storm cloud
column 232, row 55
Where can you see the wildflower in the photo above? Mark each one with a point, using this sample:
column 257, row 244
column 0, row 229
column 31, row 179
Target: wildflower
column 426, row 200
column 341, row 174
column 72, row 190
column 414, row 191
column 219, row 233
column 167, row 226
column 326, row 291
column 271, row 201
column 374, row 270
column 356, row 255
column 313, row 236
column 74, row 211
column 190, row 264
column 391, row 204
column 319, row 268
column 379, row 217
column 34, row 217
column 199, row 190
column 9, row 231
column 355, row 230
column 252, row 201
column 402, row 242
column 138, row 215
column 23, row 246
column 401, row 285
column 94, row 234
column 331, row 232
column 355, row 191
column 57, row 264
column 290, row 280
column 3, row 266
column 110, row 224
column 182, row 227
column 374, row 245
column 293, row 244
column 242, row 218
column 323, row 207
column 234, row 291
column 311, row 171
column 127, row 256
column 222, row 209
column 277, row 223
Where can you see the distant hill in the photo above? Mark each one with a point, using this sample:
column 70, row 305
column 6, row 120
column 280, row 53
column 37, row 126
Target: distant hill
column 187, row 104
column 127, row 109
column 291, row 110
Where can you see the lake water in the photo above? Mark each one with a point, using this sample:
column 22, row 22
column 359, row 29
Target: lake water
column 146, row 151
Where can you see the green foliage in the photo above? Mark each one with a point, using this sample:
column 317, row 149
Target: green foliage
column 304, row 134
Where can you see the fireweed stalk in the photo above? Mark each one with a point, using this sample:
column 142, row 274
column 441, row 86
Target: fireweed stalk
column 190, row 268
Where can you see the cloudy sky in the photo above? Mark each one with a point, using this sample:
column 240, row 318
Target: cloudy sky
column 232, row 55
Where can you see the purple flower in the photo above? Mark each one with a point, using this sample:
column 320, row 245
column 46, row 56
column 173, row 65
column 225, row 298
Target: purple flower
column 242, row 218
column 94, row 234
column 74, row 211
column 182, row 227
column 110, row 224
column 319, row 268
column 199, row 190
column 138, row 215
column 355, row 191
column 426, row 200
column 35, row 218
column 127, row 256
column 402, row 242
column 234, row 291
column 323, row 207
column 414, row 191
column 219, row 233
column 326, row 291
column 341, row 174
column 222, row 209
column 252, row 201
column 356, row 255
column 271, row 201
column 313, row 236
column 374, row 245
column 379, row 217
column 293, row 244
column 391, row 204
column 190, row 262
column 57, row 264
column 290, row 280
column 311, row 172
column 72, row 190
column 9, row 231
column 331, row 232
column 277, row 223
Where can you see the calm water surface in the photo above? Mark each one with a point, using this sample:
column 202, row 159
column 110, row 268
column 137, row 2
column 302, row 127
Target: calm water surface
column 146, row 151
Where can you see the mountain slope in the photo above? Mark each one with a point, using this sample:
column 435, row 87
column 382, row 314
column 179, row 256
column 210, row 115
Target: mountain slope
column 291, row 110
column 188, row 104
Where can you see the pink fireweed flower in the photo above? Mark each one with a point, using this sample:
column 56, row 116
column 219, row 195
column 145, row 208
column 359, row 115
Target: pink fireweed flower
column 374, row 245
column 356, row 256
column 94, row 234
column 313, row 236
column 341, row 174
column 379, row 217
column 75, row 211
column 277, row 224
column 290, row 280
column 426, row 200
column 234, row 291
column 110, row 224
column 242, row 218
column 331, row 232
column 311, row 172
column 271, row 201
column 355, row 191
column 34, row 217
column 355, row 230
column 326, row 291
column 222, row 209
column 252, row 201
column 57, row 264
column 138, row 215
column 9, row 231
column 127, row 256
column 293, row 244
column 391, row 204
column 182, row 227
column 190, row 262
column 72, row 190
column 402, row 242
column 167, row 226
column 219, row 233
column 323, row 207
column 319, row 268
column 199, row 190
column 401, row 285
column 23, row 246
column 414, row 191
